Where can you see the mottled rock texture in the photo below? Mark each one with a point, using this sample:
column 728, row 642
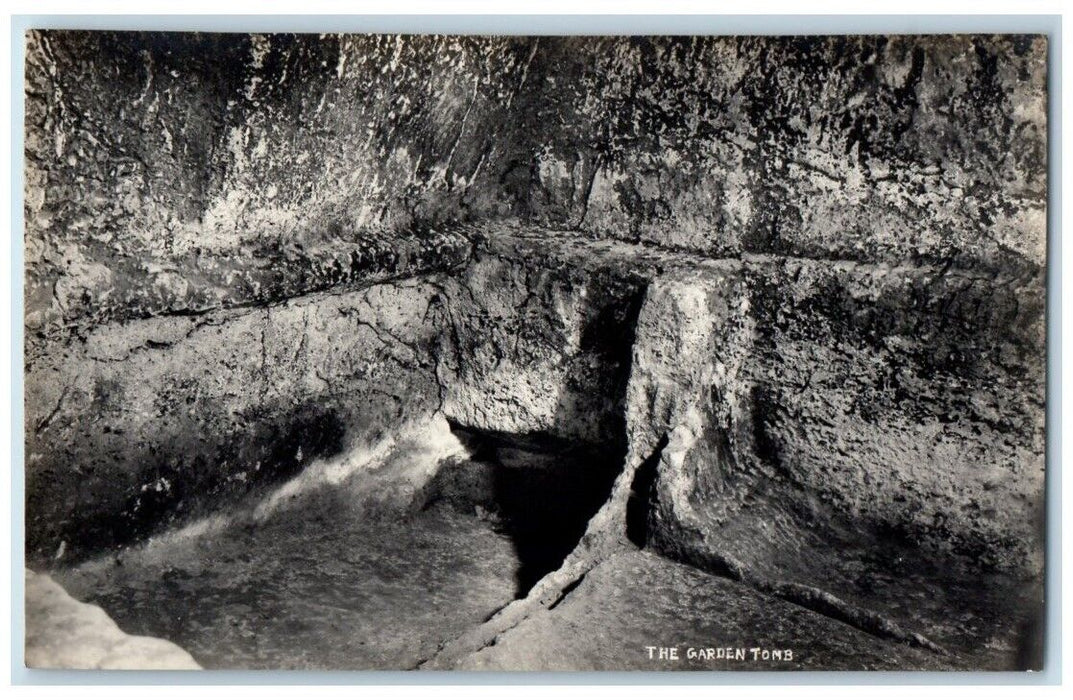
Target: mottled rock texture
column 143, row 422
column 341, row 569
column 64, row 633
column 813, row 375
column 868, row 148
column 537, row 344
column 795, row 284
column 863, row 440
column 170, row 171
column 796, row 429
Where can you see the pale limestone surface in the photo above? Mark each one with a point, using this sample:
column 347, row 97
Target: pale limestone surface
column 795, row 286
column 64, row 633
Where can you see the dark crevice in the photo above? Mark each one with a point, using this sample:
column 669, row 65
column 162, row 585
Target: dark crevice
column 567, row 590
column 539, row 491
column 642, row 492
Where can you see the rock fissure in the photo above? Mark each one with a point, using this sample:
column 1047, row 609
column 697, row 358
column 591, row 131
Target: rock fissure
column 47, row 420
column 605, row 535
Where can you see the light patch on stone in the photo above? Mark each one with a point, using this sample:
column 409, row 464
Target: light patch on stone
column 62, row 632
column 426, row 444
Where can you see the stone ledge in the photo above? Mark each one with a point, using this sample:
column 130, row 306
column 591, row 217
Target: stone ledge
column 90, row 291
column 644, row 261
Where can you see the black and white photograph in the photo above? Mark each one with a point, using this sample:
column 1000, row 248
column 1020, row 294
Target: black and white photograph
column 484, row 352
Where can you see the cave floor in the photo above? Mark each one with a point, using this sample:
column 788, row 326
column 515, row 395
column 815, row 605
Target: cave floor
column 336, row 578
column 329, row 587
column 638, row 600
column 309, row 589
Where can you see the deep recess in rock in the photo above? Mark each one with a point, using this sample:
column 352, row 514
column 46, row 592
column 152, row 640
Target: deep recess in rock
column 540, row 491
column 642, row 490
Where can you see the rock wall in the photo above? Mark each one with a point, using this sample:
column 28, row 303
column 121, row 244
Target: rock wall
column 882, row 149
column 180, row 171
column 912, row 396
column 171, row 172
column 815, row 378
column 817, row 453
column 239, row 246
column 150, row 422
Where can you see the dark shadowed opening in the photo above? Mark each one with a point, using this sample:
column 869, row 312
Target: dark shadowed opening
column 539, row 491
column 641, row 494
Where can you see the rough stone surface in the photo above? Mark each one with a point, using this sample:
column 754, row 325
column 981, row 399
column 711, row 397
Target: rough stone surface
column 536, row 345
column 867, row 148
column 929, row 423
column 636, row 600
column 147, row 154
column 149, row 422
column 795, row 286
column 169, row 172
column 372, row 560
column 712, row 344
column 909, row 396
column 906, row 397
column 318, row 589
column 342, row 567
column 846, row 529
column 64, row 633
column 808, row 441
